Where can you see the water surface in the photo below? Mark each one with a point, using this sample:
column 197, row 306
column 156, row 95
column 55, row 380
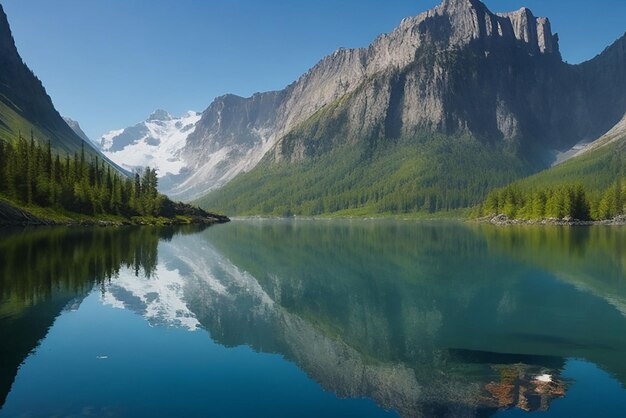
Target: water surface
column 313, row 318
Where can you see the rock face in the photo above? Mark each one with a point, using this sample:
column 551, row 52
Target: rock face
column 604, row 85
column 232, row 136
column 496, row 77
column 456, row 68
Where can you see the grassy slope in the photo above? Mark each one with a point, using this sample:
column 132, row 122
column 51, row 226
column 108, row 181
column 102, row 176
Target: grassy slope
column 11, row 124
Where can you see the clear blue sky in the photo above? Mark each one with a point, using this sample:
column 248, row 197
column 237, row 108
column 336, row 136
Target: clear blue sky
column 110, row 63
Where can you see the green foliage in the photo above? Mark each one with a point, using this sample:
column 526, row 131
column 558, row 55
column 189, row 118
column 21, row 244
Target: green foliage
column 559, row 202
column 44, row 260
column 31, row 174
column 572, row 201
column 589, row 187
column 428, row 173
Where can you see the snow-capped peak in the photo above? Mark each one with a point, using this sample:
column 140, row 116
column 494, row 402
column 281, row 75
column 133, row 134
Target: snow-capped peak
column 156, row 142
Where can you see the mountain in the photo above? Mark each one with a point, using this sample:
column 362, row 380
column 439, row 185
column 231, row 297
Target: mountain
column 25, row 106
column 452, row 103
column 76, row 128
column 156, row 142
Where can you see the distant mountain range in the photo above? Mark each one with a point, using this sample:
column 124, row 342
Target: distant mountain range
column 156, row 142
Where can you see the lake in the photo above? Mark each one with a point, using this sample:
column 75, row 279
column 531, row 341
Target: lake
column 313, row 318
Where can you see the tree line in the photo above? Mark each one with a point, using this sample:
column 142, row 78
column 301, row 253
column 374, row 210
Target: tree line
column 568, row 200
column 32, row 174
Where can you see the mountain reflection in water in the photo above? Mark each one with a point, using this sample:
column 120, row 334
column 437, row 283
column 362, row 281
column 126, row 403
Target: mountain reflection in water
column 426, row 319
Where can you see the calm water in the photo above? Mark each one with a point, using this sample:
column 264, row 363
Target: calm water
column 313, row 318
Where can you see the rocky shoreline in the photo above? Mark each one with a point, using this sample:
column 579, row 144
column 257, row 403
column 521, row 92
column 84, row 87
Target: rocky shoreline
column 503, row 220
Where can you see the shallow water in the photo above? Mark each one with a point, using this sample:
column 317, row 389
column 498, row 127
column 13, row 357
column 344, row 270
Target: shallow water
column 314, row 318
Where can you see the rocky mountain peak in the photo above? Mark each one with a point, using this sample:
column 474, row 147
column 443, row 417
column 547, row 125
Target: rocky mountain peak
column 462, row 6
column 533, row 31
column 160, row 115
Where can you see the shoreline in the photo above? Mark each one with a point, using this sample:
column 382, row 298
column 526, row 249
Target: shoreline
column 497, row 220
column 13, row 216
column 503, row 220
column 105, row 223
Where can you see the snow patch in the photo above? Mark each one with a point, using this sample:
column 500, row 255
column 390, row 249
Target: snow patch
column 562, row 156
column 158, row 144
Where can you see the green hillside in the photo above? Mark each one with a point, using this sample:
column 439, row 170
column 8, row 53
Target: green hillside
column 423, row 174
column 589, row 186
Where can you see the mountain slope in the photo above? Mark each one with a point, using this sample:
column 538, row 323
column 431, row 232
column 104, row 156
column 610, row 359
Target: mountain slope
column 25, row 106
column 459, row 99
column 597, row 167
column 426, row 174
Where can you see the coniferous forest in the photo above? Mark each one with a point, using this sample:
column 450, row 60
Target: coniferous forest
column 590, row 187
column 32, row 174
column 565, row 201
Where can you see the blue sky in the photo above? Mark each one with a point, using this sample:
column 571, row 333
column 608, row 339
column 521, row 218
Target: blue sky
column 110, row 63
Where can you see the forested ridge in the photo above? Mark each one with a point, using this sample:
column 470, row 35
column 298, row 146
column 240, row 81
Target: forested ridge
column 32, row 174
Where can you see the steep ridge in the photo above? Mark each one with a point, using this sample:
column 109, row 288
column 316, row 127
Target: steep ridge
column 25, row 106
column 493, row 76
column 468, row 99
column 605, row 84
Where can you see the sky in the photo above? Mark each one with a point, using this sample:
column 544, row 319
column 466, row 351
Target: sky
column 109, row 63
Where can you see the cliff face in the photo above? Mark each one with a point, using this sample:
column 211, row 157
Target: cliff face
column 495, row 77
column 458, row 68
